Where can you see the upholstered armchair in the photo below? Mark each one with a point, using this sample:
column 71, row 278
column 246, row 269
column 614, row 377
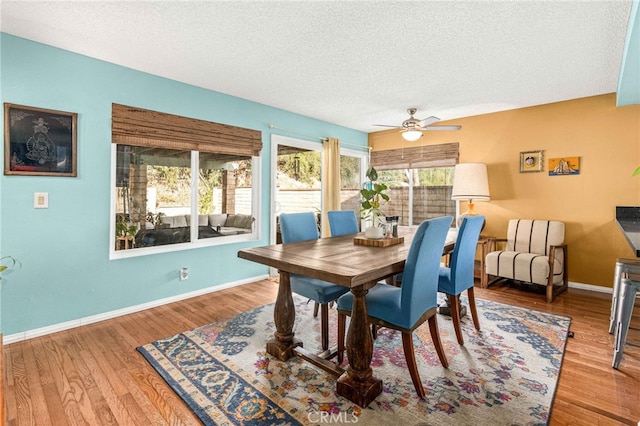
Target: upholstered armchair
column 533, row 252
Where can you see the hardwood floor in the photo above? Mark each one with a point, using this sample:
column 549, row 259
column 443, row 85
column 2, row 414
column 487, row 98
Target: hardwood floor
column 93, row 375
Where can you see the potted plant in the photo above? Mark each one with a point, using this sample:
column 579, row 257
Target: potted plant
column 125, row 232
column 373, row 197
column 4, row 260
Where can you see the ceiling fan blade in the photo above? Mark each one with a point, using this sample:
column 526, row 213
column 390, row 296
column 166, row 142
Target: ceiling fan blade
column 383, row 125
column 427, row 121
column 442, row 128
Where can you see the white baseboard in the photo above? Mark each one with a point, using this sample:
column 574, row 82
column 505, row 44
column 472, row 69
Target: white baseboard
column 591, row 287
column 43, row 331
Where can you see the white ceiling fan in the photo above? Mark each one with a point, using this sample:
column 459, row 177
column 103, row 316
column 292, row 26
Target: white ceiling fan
column 412, row 127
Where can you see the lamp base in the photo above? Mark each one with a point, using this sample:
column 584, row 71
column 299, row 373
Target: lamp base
column 469, row 212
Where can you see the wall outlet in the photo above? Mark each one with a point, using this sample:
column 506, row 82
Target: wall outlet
column 184, row 274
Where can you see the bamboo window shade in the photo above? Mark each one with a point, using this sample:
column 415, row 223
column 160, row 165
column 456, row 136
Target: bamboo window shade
column 142, row 127
column 416, row 157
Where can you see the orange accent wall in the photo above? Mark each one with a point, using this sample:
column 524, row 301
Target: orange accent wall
column 605, row 137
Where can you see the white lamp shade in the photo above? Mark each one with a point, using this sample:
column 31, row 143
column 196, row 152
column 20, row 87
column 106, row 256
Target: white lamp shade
column 412, row 135
column 470, row 182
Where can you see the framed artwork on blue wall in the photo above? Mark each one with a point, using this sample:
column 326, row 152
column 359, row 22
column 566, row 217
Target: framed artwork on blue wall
column 39, row 141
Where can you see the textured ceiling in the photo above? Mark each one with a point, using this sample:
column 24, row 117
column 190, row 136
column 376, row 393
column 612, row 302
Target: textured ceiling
column 353, row 63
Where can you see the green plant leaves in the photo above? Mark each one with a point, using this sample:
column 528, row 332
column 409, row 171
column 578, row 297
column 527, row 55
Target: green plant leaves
column 372, row 174
column 372, row 197
column 11, row 260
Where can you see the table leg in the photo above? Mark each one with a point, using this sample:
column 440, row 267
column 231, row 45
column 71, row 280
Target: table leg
column 284, row 314
column 358, row 383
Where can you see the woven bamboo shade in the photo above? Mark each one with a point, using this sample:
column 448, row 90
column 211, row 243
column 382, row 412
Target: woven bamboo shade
column 142, row 127
column 416, row 157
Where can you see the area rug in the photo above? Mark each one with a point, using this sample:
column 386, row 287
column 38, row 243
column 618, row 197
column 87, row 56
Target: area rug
column 505, row 374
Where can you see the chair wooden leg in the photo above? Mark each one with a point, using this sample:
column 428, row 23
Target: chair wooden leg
column 342, row 325
column 437, row 343
column 454, row 308
column 409, row 355
column 315, row 309
column 472, row 307
column 550, row 295
column 324, row 326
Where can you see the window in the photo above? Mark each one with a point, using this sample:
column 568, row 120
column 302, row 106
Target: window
column 351, row 178
column 168, row 195
column 420, row 179
column 419, row 194
column 297, row 182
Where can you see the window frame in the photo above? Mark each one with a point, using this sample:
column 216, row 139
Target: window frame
column 256, row 185
column 410, row 201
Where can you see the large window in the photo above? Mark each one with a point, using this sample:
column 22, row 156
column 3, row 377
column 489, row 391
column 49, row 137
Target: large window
column 169, row 196
column 418, row 194
column 297, row 186
column 420, row 179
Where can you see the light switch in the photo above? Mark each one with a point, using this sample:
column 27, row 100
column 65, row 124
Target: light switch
column 41, row 200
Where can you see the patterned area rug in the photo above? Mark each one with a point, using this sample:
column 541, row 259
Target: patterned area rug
column 506, row 374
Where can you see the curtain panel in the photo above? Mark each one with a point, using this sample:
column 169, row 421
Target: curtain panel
column 331, row 181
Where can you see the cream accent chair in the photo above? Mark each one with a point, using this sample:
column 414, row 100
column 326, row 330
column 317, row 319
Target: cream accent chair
column 533, row 252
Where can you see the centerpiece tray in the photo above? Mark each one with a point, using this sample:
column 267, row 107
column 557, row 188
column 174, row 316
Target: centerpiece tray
column 380, row 242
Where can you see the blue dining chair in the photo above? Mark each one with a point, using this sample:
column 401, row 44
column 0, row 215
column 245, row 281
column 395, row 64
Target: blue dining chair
column 342, row 222
column 297, row 227
column 458, row 277
column 407, row 307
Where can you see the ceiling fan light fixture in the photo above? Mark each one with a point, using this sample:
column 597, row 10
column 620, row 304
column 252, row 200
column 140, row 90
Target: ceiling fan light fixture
column 412, row 135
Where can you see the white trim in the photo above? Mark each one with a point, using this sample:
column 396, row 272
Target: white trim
column 43, row 331
column 591, row 287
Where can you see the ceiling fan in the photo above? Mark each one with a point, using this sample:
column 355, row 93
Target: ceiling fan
column 412, row 127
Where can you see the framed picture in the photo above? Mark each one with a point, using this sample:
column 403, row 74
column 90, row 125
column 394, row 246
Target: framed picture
column 39, row 141
column 530, row 161
column 564, row 166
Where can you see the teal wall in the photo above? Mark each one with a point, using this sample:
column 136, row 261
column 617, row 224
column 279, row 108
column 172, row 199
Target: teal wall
column 66, row 273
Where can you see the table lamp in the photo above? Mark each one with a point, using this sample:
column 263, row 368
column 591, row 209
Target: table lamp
column 470, row 183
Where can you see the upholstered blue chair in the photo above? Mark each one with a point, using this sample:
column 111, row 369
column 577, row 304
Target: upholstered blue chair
column 303, row 227
column 406, row 308
column 458, row 277
column 343, row 222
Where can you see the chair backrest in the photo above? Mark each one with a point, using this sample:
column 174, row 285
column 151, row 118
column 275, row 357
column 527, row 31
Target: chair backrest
column 463, row 258
column 420, row 277
column 534, row 236
column 298, row 227
column 342, row 222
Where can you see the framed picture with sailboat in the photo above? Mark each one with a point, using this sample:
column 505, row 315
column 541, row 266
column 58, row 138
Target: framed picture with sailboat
column 564, row 166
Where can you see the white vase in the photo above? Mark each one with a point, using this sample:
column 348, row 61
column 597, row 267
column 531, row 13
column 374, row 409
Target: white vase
column 374, row 232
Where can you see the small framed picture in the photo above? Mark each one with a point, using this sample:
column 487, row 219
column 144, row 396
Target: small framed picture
column 564, row 166
column 39, row 141
column 530, row 161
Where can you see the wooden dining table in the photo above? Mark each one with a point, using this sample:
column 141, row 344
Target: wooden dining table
column 340, row 261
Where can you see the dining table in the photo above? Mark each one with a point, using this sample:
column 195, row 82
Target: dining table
column 342, row 261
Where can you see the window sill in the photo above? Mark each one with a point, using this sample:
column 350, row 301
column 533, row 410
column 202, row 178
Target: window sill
column 170, row 248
